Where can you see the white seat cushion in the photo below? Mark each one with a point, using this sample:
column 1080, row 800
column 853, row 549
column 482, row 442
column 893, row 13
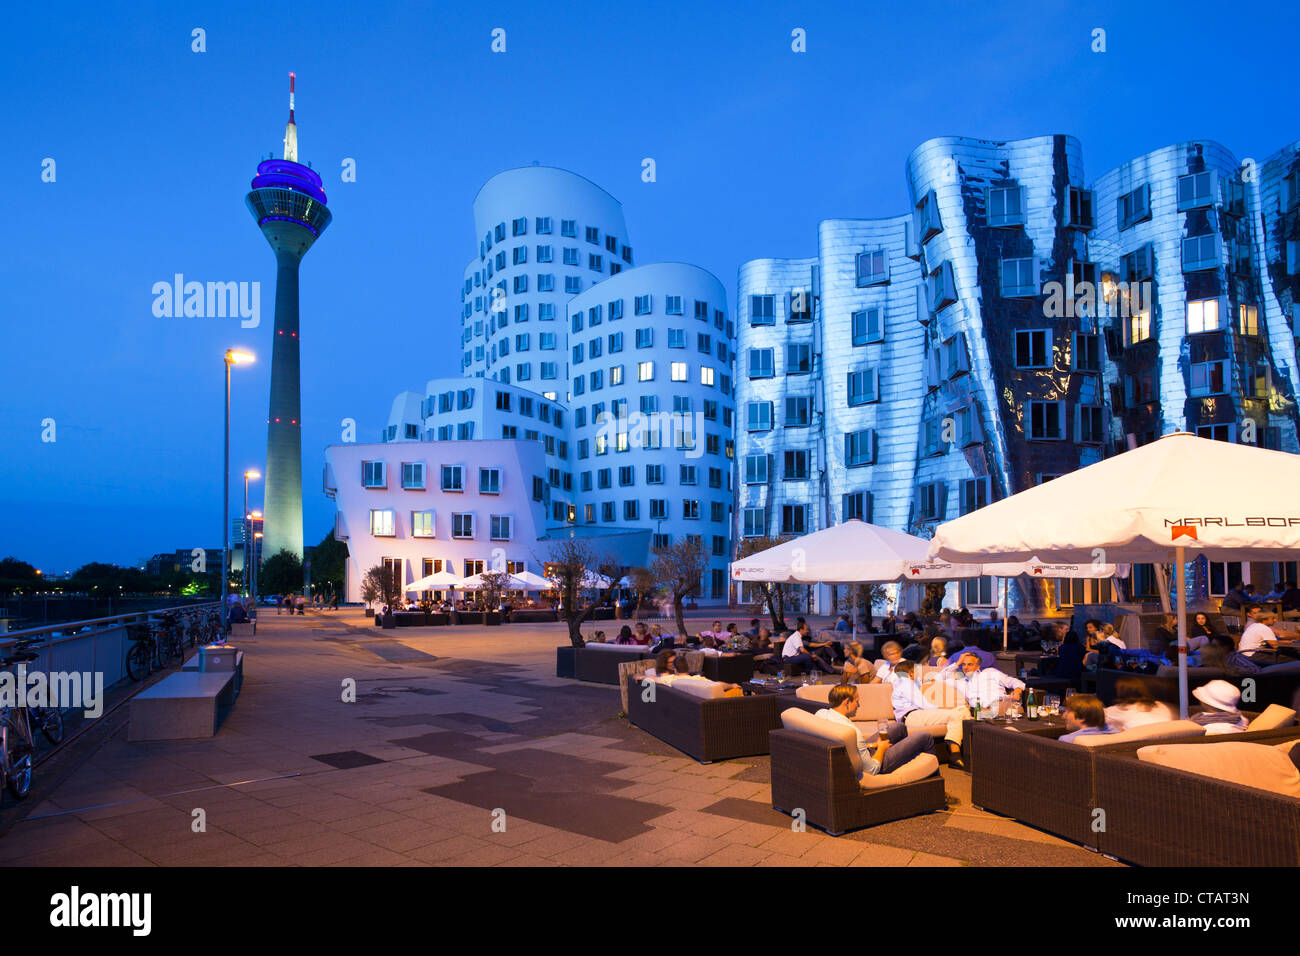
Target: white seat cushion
column 1247, row 764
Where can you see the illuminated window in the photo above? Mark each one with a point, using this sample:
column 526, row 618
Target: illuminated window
column 383, row 522
column 422, row 524
column 645, row 371
column 1202, row 315
column 1248, row 319
column 679, row 371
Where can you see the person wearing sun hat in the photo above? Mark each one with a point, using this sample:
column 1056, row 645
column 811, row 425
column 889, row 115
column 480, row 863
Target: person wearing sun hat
column 1220, row 715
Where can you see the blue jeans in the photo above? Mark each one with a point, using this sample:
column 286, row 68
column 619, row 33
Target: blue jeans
column 904, row 747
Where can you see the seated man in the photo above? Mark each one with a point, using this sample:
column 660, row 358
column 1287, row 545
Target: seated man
column 1221, row 701
column 985, row 686
column 892, row 652
column 894, row 746
column 794, row 652
column 753, row 628
column 842, row 626
column 238, row 615
column 1258, row 634
column 1084, row 715
column 916, row 712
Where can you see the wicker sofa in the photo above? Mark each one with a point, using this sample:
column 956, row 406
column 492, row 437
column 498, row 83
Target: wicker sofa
column 1162, row 816
column 816, row 769
column 693, row 716
column 598, row 663
column 1040, row 781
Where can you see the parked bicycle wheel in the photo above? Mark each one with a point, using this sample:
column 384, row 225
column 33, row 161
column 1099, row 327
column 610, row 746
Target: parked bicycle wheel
column 138, row 660
column 51, row 723
column 19, row 761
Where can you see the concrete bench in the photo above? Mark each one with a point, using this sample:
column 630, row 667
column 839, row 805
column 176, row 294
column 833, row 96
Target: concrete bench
column 244, row 629
column 182, row 706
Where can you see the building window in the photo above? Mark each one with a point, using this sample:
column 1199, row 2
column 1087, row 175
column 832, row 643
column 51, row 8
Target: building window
column 795, row 465
column 691, row 509
column 672, row 305
column 413, row 475
column 1202, row 315
column 859, row 448
column 706, row 376
column 373, row 475
column 756, row 469
column 794, row 519
column 1046, row 421
column 499, row 527
column 678, row 371
column 974, row 494
column 1034, row 348
column 1196, row 189
column 677, row 338
column 641, row 305
column 1138, row 327
column 868, row 327
column 1208, row 378
column 631, row 510
column 1201, row 252
column 855, row 505
column 686, row 475
column 383, row 522
column 1087, row 352
column 645, row 371
column 799, row 306
column 1248, row 320
column 615, row 375
column 1134, row 207
column 462, row 525
column 1081, row 208
column 762, row 310
column 1019, row 277
column 572, row 285
column 1006, row 206
column 489, row 481
column 645, row 338
column 798, row 359
column 798, row 410
column 872, row 267
column 452, row 479
column 864, row 386
column 932, row 501
column 595, row 263
column 1090, row 424
column 759, row 416
column 754, row 523
column 422, row 524
column 761, row 363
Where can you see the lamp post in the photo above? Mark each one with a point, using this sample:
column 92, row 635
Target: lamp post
column 257, row 553
column 246, row 528
column 233, row 357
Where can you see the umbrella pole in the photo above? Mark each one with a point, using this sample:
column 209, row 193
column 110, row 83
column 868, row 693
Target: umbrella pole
column 853, row 620
column 1180, row 575
column 1004, row 613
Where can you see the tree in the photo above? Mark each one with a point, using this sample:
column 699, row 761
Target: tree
column 370, row 590
column 644, row 587
column 771, row 596
column 570, row 563
column 384, row 581
column 329, row 562
column 494, row 582
column 678, row 568
column 932, row 603
column 869, row 595
column 281, row 574
column 17, row 575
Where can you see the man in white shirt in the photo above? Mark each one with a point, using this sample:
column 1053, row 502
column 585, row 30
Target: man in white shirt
column 986, row 686
column 894, row 746
column 892, row 652
column 794, row 652
column 918, row 713
column 1259, row 632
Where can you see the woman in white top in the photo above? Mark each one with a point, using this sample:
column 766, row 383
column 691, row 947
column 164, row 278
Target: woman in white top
column 1134, row 708
column 1108, row 634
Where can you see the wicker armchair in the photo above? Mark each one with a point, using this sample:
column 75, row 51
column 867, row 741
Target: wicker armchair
column 705, row 728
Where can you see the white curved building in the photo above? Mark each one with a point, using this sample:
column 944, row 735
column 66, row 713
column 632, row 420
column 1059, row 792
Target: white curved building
column 544, row 235
column 652, row 397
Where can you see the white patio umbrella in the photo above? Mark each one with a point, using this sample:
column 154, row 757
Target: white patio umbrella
column 1155, row 503
column 1036, row 568
column 593, row 579
column 850, row 553
column 438, row 581
column 529, row 581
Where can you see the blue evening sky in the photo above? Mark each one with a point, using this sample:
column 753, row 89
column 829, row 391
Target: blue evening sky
column 154, row 146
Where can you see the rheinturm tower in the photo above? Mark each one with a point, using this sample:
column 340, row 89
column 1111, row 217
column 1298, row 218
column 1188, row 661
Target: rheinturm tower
column 290, row 208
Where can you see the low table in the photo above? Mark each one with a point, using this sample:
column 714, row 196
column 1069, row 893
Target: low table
column 770, row 687
column 1042, row 727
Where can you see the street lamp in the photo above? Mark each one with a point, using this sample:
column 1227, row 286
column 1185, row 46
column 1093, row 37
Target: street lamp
column 233, row 357
column 246, row 529
column 257, row 551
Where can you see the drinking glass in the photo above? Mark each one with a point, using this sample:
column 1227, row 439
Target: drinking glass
column 1053, row 704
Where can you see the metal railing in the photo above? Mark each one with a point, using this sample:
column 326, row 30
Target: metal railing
column 97, row 645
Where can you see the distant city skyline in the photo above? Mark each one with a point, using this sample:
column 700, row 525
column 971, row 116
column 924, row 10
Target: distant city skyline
column 130, row 153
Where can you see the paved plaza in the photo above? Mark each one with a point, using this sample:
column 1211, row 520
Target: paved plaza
column 452, row 730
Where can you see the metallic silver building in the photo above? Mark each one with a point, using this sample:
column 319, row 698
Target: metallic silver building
column 1017, row 325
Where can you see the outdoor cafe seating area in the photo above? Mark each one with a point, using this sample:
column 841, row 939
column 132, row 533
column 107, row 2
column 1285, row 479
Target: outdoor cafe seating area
column 1212, row 777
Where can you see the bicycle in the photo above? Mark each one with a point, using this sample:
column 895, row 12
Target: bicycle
column 49, row 720
column 17, row 745
column 142, row 658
